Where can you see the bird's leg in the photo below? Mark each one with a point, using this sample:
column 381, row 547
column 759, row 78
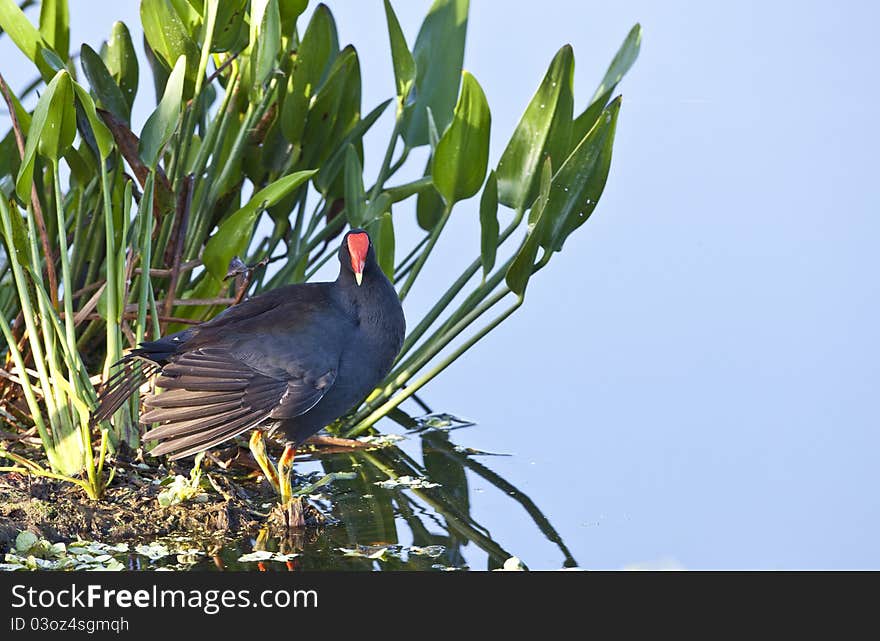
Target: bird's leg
column 285, row 469
column 258, row 449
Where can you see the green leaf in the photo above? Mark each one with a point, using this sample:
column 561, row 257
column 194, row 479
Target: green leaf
column 100, row 133
column 55, row 25
column 15, row 24
column 335, row 110
column 544, row 130
column 162, row 122
column 189, row 16
column 355, row 196
column 489, row 224
column 229, row 25
column 314, row 56
column 385, row 244
column 579, row 183
column 159, row 71
column 462, row 153
column 620, row 65
column 380, row 205
column 168, row 36
column 265, row 38
column 290, row 10
column 443, row 30
column 103, row 85
column 234, row 233
column 404, row 65
column 333, row 165
column 429, row 205
column 520, row 270
column 121, row 60
column 52, row 130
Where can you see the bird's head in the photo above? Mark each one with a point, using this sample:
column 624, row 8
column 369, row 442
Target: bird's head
column 356, row 253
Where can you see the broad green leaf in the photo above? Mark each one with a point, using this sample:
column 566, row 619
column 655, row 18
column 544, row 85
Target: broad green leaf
column 385, row 244
column 489, row 224
column 333, row 165
column 381, row 204
column 433, row 134
column 168, row 36
column 9, row 163
column 158, row 70
column 52, row 131
column 16, row 235
column 404, row 65
column 623, row 61
column 265, row 40
column 162, row 122
column 229, row 26
column 189, row 16
column 462, row 154
column 429, row 205
column 53, row 60
column 438, row 74
column 544, row 130
column 290, row 10
column 121, row 60
column 580, row 181
column 26, row 37
column 355, row 197
column 103, row 85
column 520, row 270
column 99, row 131
column 315, row 55
column 55, row 25
column 335, row 110
column 234, row 233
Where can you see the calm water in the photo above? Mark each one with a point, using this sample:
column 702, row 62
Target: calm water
column 693, row 380
column 426, row 520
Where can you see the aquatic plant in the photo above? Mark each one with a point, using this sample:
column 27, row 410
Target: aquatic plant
column 254, row 157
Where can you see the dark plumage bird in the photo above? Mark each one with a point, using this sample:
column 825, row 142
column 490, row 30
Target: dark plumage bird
column 298, row 357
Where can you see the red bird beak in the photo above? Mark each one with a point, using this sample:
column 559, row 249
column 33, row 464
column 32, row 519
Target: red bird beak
column 358, row 246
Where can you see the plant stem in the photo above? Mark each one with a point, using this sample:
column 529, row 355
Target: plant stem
column 113, row 307
column 389, row 154
column 411, row 389
column 432, row 240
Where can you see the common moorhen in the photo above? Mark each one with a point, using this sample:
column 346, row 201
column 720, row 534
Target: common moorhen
column 297, row 357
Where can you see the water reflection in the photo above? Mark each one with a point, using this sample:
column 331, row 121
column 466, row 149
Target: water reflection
column 370, row 518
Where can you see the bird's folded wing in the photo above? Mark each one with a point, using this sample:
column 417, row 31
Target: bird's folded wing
column 212, row 396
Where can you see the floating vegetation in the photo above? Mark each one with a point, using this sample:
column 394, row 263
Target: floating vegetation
column 264, row 555
column 407, row 482
column 381, row 440
column 441, row 421
column 384, row 552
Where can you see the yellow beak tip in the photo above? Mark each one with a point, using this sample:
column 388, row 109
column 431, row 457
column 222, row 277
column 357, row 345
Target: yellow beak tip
column 359, row 277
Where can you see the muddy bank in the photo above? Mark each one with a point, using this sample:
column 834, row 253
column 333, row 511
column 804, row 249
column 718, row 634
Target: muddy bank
column 131, row 509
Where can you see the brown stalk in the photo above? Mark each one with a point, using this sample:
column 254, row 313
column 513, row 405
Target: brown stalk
column 178, row 233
